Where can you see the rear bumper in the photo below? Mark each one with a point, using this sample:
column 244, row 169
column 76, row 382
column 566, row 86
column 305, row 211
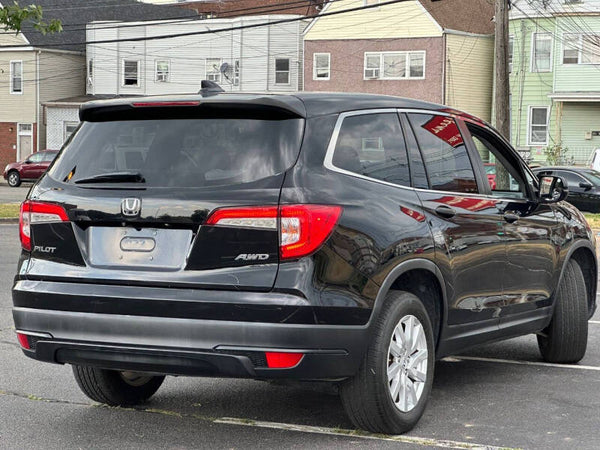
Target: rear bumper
column 180, row 346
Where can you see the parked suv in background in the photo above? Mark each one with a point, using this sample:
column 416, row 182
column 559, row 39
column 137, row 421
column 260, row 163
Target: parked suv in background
column 29, row 169
column 343, row 237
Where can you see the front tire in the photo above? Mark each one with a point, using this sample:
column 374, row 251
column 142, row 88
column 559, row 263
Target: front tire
column 565, row 339
column 390, row 391
column 116, row 388
column 14, row 179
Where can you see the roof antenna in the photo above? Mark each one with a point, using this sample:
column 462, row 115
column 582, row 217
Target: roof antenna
column 209, row 88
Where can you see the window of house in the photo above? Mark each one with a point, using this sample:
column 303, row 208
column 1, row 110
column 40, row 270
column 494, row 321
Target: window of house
column 90, row 72
column 162, row 71
column 444, row 153
column 541, row 52
column 538, row 125
column 395, row 65
column 236, row 72
column 16, row 77
column 282, row 71
column 213, row 70
column 571, row 47
column 131, row 72
column 68, row 128
column 321, row 66
column 590, row 49
column 372, row 145
column 511, row 45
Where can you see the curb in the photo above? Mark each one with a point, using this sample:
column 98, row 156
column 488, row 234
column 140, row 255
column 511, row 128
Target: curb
column 9, row 220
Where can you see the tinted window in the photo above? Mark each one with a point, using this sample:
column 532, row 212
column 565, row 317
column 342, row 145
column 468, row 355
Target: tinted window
column 49, row 156
column 182, row 152
column 505, row 179
column 372, row 145
column 571, row 178
column 444, row 152
column 36, row 157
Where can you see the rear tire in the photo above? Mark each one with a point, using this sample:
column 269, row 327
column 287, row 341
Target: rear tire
column 116, row 388
column 565, row 339
column 390, row 391
column 14, row 179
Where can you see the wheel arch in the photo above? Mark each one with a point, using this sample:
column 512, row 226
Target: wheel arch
column 417, row 276
column 584, row 253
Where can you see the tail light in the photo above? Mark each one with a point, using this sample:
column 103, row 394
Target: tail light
column 38, row 212
column 302, row 228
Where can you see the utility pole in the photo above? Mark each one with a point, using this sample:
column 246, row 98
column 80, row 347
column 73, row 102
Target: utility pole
column 501, row 94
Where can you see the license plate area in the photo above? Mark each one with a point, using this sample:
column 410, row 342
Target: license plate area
column 124, row 247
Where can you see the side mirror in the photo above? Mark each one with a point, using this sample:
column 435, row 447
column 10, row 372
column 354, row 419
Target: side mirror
column 552, row 189
column 585, row 185
column 28, row 161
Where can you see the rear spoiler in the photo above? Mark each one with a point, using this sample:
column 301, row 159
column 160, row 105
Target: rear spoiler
column 194, row 106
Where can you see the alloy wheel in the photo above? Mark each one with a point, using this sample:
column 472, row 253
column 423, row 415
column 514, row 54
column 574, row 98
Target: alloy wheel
column 407, row 363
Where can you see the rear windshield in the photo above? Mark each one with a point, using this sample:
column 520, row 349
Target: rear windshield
column 181, row 152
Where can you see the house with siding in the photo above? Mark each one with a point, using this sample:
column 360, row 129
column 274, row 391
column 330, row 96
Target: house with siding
column 36, row 69
column 250, row 54
column 555, row 77
column 439, row 51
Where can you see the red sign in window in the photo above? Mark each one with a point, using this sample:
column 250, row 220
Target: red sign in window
column 445, row 128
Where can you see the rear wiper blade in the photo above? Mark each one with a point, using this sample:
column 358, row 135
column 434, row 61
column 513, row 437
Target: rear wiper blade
column 114, row 177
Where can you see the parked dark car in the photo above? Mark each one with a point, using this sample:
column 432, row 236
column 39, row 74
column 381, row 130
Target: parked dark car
column 342, row 237
column 29, row 169
column 583, row 185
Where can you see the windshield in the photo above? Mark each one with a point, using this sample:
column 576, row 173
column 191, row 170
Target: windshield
column 179, row 152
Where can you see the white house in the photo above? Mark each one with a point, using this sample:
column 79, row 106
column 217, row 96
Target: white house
column 261, row 58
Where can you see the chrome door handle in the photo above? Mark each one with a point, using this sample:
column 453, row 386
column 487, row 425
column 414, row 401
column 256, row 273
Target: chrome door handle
column 445, row 211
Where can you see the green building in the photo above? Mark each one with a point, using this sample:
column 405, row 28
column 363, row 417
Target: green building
column 554, row 54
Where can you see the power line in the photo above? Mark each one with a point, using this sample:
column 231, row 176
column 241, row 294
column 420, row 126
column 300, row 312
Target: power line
column 241, row 27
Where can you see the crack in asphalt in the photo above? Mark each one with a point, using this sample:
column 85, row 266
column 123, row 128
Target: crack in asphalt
column 431, row 442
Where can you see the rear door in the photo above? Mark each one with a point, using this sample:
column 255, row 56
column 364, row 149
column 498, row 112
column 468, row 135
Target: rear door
column 170, row 196
column 466, row 225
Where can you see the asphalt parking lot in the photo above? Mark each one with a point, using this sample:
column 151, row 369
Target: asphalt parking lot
column 13, row 195
column 498, row 396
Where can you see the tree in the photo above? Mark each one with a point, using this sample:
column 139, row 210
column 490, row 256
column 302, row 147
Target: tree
column 13, row 17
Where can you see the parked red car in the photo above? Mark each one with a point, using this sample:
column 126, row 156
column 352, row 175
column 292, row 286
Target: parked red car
column 30, row 169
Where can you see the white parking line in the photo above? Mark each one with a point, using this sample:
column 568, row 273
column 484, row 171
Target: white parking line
column 595, row 322
column 356, row 434
column 523, row 363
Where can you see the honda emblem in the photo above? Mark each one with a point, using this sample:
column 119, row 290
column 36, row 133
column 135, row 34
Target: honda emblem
column 131, row 207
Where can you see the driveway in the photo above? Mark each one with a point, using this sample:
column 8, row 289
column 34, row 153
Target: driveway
column 13, row 195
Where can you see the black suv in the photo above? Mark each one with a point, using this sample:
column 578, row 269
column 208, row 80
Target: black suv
column 342, row 237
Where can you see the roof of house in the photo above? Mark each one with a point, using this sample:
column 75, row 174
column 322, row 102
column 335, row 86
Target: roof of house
column 75, row 14
column 471, row 16
column 235, row 8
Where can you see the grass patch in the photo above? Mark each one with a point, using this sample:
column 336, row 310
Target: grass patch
column 9, row 210
column 593, row 220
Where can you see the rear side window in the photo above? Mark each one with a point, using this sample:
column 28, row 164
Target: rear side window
column 446, row 159
column 373, row 145
column 194, row 152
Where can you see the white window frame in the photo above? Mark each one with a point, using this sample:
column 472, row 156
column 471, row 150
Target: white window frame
column 289, row 72
column 315, row 77
column 67, row 123
column 12, row 91
column 533, row 39
column 530, row 124
column 137, row 61
column 90, row 71
column 216, row 75
column 167, row 79
column 407, row 55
